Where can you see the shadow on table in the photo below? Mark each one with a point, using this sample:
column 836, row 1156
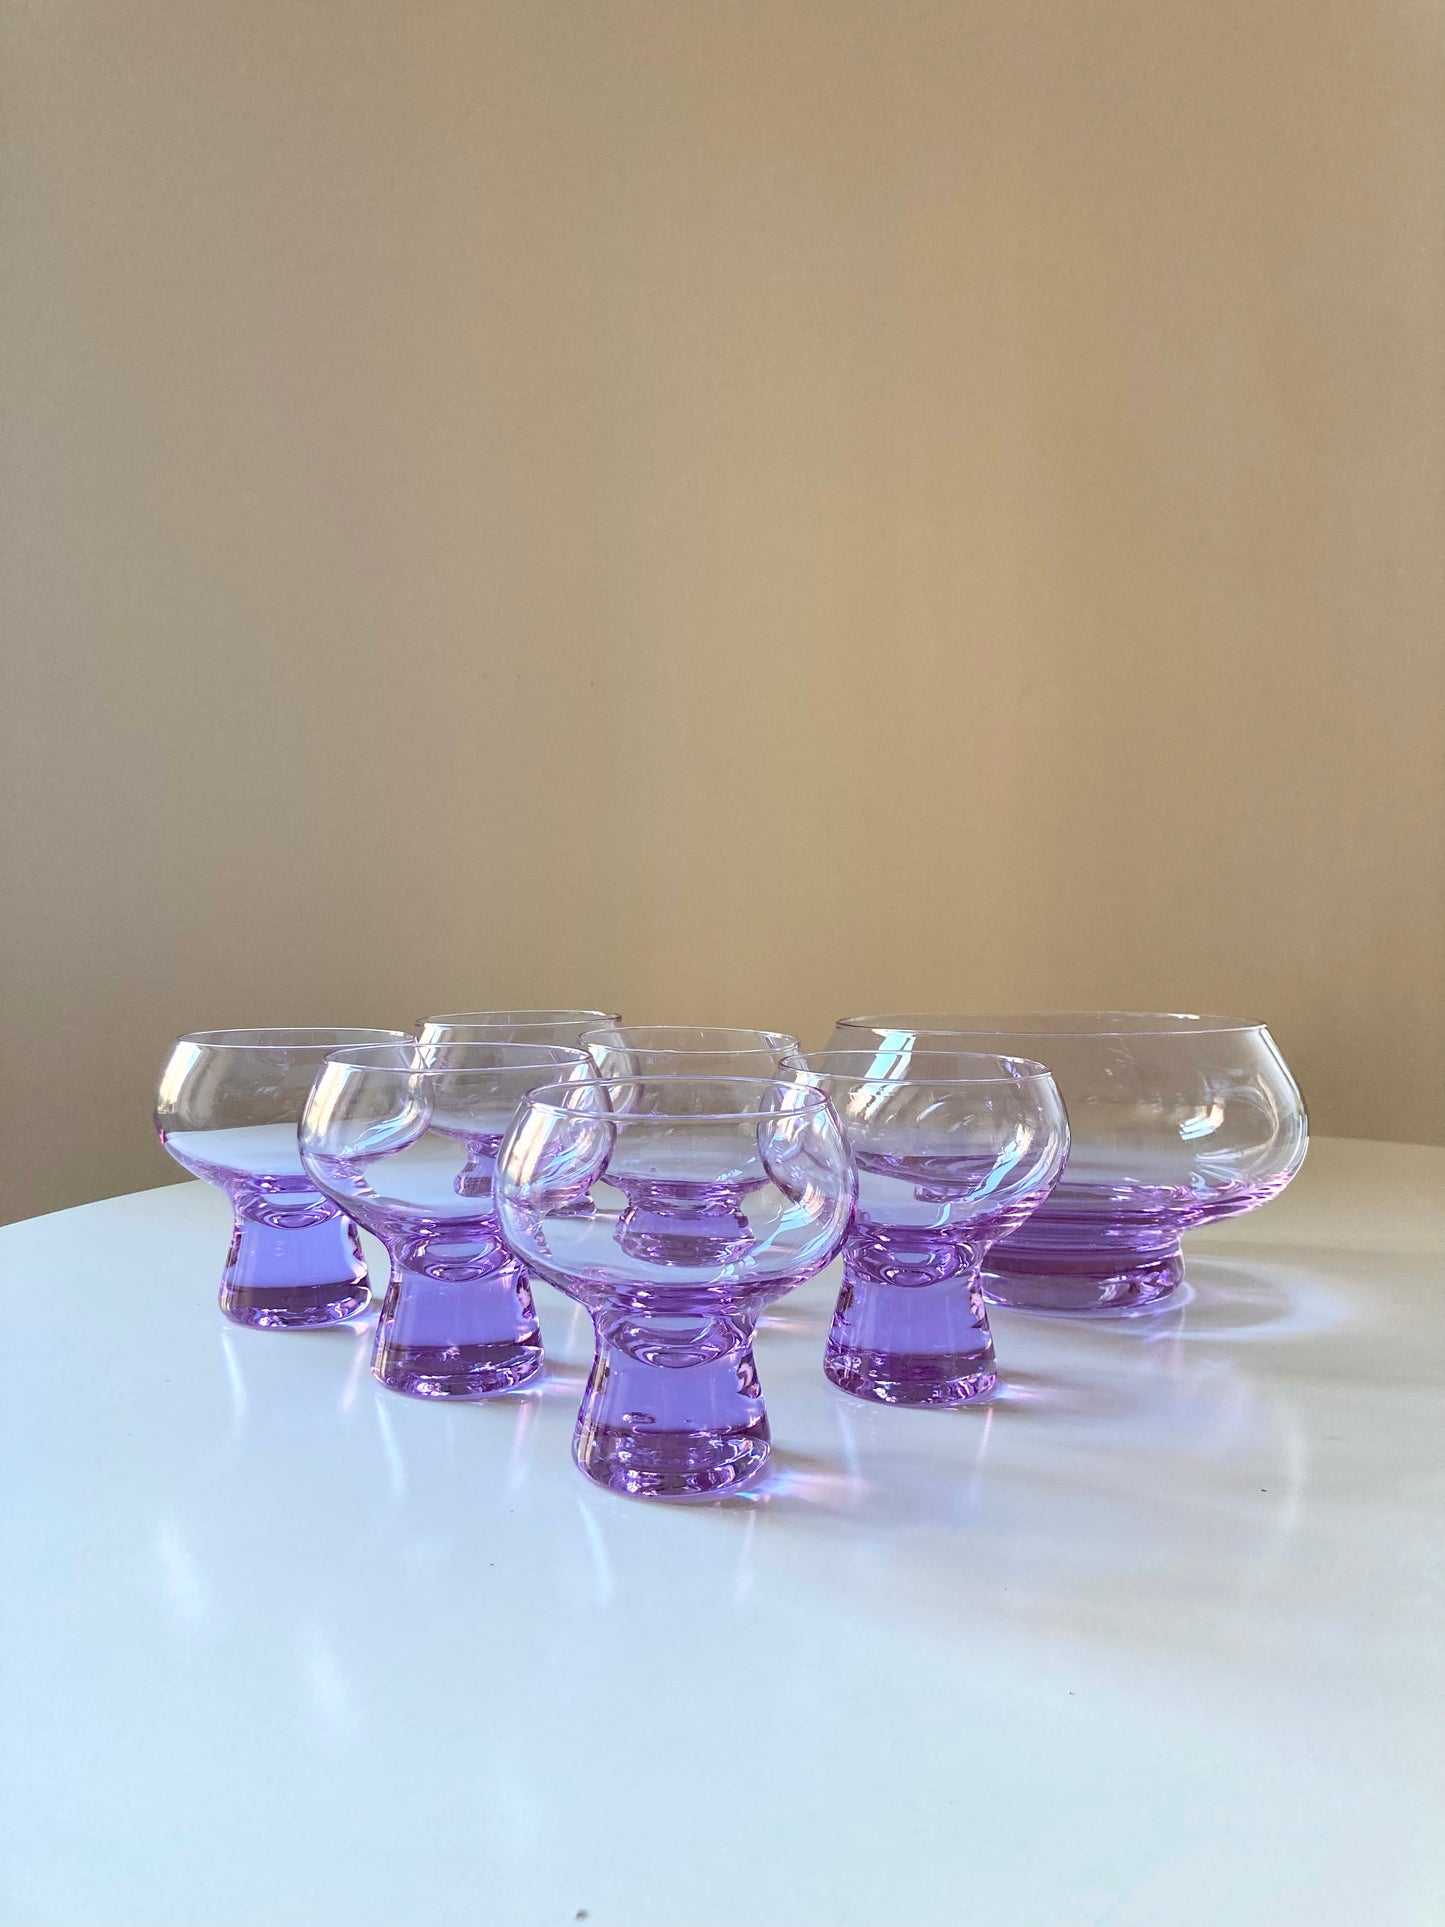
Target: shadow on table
column 1221, row 1299
column 1239, row 1299
column 866, row 1481
column 1140, row 1390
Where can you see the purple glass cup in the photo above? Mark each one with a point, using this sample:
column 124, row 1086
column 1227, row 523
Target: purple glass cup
column 675, row 1209
column 404, row 1137
column 954, row 1151
column 227, row 1111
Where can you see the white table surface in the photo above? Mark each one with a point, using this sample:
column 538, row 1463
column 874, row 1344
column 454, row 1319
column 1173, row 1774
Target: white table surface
column 1154, row 1640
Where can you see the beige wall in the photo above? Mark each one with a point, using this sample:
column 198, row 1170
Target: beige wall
column 746, row 510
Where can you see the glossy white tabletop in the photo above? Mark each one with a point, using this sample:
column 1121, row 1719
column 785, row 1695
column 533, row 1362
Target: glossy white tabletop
column 1154, row 1640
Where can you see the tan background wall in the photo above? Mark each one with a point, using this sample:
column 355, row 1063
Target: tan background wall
column 746, row 510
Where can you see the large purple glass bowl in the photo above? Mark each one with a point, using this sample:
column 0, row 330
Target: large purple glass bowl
column 675, row 1209
column 1176, row 1121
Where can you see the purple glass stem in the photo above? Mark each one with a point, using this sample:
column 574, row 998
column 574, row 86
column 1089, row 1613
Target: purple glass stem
column 295, row 1260
column 910, row 1326
column 290, row 1277
column 673, row 1407
column 457, row 1330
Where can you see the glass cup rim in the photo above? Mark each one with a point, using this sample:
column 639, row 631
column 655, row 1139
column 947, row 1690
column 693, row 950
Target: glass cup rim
column 815, row 1101
column 629, row 1036
column 1053, row 1023
column 296, row 1037
column 513, row 1019
column 515, row 1055
column 1026, row 1070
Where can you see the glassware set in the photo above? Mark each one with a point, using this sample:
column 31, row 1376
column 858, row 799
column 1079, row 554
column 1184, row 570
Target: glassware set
column 675, row 1180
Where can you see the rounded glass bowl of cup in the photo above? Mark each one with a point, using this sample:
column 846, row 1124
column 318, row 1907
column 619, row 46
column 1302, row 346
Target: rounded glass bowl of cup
column 674, row 1209
column 227, row 1110
column 1176, row 1121
column 404, row 1138
column 690, row 1050
column 954, row 1151
column 511, row 1026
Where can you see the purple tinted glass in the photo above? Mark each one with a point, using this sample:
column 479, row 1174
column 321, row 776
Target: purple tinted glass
column 675, row 1209
column 954, row 1151
column 227, row 1110
column 405, row 1138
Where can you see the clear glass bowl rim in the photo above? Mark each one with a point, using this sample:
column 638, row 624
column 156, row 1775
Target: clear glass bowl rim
column 297, row 1037
column 503, row 1019
column 1026, row 1070
column 514, row 1055
column 635, row 1036
column 1053, row 1023
column 812, row 1099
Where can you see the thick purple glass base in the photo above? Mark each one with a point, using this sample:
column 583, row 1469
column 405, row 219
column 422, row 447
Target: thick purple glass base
column 1028, row 1279
column 1110, row 1245
column 297, row 1277
column 673, row 1408
column 910, row 1327
column 457, row 1338
column 456, row 1371
column 659, row 1464
column 909, row 1378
